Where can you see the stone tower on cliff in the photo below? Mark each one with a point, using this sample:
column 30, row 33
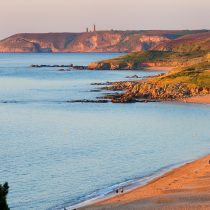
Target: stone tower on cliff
column 94, row 28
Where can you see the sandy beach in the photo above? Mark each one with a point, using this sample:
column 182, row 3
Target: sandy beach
column 199, row 99
column 165, row 68
column 184, row 188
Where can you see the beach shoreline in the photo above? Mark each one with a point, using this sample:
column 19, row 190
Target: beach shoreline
column 127, row 186
column 164, row 68
column 107, row 200
column 175, row 189
column 201, row 99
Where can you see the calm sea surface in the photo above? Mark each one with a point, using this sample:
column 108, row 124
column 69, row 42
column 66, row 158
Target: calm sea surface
column 55, row 153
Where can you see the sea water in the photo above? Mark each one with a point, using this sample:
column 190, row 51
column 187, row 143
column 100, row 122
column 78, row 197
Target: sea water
column 54, row 153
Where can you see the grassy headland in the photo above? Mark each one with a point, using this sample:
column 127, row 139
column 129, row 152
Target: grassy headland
column 190, row 75
column 182, row 82
column 143, row 59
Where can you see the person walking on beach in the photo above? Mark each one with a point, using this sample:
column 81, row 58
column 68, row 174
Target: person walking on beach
column 122, row 190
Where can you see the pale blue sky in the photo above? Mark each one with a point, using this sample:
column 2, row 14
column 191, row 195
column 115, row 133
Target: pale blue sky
column 74, row 15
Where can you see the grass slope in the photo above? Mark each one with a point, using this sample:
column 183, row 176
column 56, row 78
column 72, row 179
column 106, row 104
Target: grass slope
column 138, row 60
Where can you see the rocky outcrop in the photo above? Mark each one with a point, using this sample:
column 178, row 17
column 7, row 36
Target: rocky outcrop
column 147, row 91
column 102, row 41
column 108, row 65
column 18, row 45
column 89, row 101
column 70, row 66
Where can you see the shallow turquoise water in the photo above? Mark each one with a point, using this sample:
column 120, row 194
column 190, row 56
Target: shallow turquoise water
column 55, row 153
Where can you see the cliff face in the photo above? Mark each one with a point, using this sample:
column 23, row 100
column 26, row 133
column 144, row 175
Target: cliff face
column 36, row 42
column 102, row 41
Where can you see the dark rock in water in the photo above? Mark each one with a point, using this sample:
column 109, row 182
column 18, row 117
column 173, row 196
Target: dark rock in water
column 71, row 66
column 146, row 101
column 123, row 100
column 9, row 102
column 64, row 69
column 119, row 98
column 37, row 66
column 79, row 67
column 102, row 83
column 95, row 91
column 88, row 101
column 109, row 96
column 51, row 66
column 133, row 77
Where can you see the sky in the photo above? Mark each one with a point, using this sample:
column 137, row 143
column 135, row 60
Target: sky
column 26, row 16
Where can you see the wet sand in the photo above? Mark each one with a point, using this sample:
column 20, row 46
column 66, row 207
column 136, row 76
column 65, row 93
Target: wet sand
column 184, row 188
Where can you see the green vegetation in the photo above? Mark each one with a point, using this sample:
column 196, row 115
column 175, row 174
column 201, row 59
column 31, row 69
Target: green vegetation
column 160, row 56
column 192, row 46
column 195, row 75
column 4, row 189
column 139, row 60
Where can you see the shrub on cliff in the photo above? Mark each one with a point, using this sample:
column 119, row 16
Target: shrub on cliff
column 4, row 189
